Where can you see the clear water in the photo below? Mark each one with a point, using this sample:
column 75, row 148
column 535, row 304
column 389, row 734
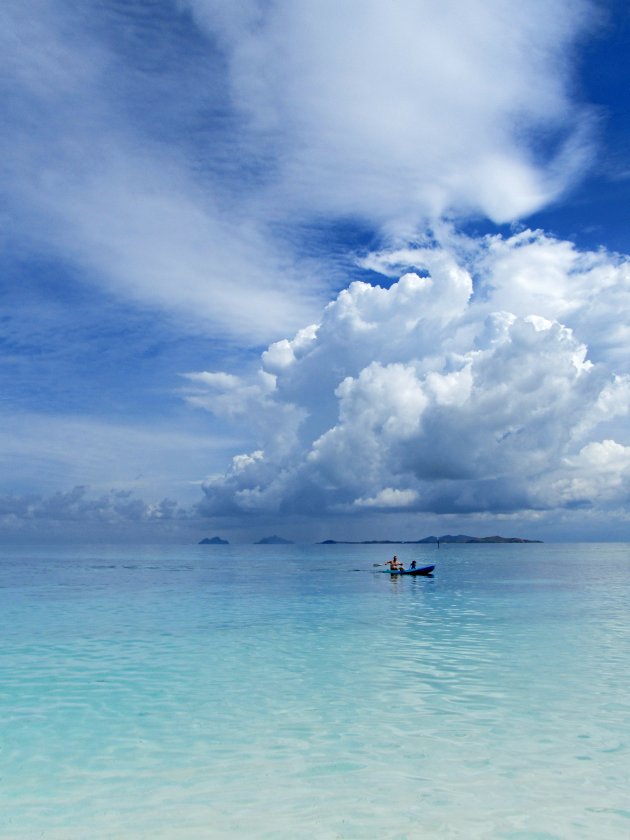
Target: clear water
column 297, row 692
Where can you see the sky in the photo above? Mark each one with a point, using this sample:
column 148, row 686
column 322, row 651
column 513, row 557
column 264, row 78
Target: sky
column 329, row 270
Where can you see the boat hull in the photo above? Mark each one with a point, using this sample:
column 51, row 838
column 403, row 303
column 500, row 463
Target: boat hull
column 423, row 570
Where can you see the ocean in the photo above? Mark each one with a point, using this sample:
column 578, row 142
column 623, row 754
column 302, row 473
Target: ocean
column 297, row 692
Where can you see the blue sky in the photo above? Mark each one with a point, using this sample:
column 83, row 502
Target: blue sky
column 208, row 207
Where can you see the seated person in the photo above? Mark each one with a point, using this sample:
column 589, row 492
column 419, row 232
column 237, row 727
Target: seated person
column 395, row 565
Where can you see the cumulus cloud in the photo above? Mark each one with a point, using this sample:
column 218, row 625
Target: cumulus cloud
column 533, row 272
column 445, row 395
column 600, row 470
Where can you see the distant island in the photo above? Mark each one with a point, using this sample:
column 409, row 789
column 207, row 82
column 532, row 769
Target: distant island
column 447, row 538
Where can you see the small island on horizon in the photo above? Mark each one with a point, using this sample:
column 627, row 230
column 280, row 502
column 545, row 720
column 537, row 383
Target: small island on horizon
column 447, row 538
column 273, row 540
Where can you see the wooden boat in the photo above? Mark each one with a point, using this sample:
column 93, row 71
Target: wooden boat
column 421, row 570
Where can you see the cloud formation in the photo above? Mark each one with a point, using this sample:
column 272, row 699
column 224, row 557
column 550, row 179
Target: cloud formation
column 179, row 166
column 395, row 112
column 190, row 157
column 80, row 506
column 444, row 395
column 127, row 199
column 51, row 452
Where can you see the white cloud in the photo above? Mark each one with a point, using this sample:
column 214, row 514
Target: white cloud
column 534, row 273
column 142, row 230
column 87, row 183
column 389, row 497
column 389, row 113
column 424, row 397
column 48, row 453
column 600, row 470
column 78, row 505
column 407, row 111
column 225, row 394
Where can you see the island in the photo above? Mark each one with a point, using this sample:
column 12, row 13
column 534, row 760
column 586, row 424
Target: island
column 447, row 538
column 274, row 540
column 213, row 541
column 464, row 538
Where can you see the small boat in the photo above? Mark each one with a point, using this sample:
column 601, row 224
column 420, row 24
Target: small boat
column 422, row 570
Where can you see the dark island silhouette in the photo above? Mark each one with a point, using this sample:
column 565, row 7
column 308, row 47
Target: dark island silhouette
column 447, row 538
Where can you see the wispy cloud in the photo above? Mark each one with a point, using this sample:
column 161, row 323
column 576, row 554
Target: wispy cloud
column 132, row 209
column 43, row 453
column 407, row 111
column 391, row 114
column 80, row 506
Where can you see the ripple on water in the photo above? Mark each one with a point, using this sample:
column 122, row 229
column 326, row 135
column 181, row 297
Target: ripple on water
column 156, row 696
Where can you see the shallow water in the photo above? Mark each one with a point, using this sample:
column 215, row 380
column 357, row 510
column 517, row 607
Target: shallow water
column 297, row 692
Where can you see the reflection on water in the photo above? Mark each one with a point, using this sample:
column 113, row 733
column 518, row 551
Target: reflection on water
column 276, row 692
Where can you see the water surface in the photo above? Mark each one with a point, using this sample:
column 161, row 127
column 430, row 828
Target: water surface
column 297, row 692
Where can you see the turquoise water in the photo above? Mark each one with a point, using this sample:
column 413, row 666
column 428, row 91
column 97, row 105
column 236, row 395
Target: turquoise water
column 297, row 692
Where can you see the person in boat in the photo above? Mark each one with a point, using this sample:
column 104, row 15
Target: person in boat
column 395, row 565
column 413, row 564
